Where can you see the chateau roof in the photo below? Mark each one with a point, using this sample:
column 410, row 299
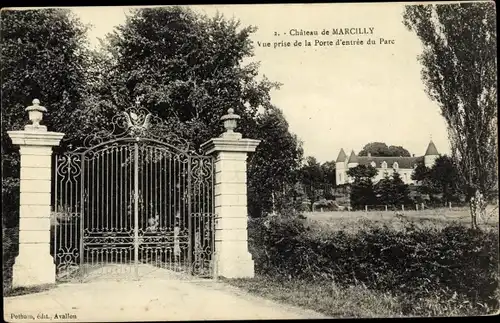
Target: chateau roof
column 342, row 156
column 431, row 149
column 353, row 158
column 403, row 162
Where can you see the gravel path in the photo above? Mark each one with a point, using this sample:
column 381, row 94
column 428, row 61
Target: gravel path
column 160, row 295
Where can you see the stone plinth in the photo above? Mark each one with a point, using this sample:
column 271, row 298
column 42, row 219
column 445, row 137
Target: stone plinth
column 34, row 265
column 231, row 257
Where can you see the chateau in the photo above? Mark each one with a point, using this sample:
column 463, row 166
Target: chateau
column 384, row 165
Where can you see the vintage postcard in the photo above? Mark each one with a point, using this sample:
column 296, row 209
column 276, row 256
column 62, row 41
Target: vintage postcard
column 249, row 162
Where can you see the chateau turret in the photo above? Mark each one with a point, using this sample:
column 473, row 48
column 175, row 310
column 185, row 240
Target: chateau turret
column 384, row 164
column 353, row 160
column 341, row 167
column 431, row 154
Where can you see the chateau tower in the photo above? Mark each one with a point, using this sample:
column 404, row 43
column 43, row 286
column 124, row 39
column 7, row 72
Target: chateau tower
column 353, row 160
column 384, row 164
column 341, row 167
column 431, row 154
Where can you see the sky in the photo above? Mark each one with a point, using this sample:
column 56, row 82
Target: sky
column 333, row 97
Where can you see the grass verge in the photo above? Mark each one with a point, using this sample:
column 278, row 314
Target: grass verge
column 353, row 301
column 328, row 299
column 19, row 291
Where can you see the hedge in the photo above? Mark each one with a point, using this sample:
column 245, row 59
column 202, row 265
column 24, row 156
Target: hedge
column 416, row 262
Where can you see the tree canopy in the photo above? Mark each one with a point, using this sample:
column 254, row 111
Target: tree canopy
column 420, row 173
column 184, row 67
column 316, row 179
column 459, row 70
column 441, row 178
column 382, row 150
column 362, row 172
column 362, row 190
column 273, row 172
column 328, row 169
column 44, row 57
column 188, row 68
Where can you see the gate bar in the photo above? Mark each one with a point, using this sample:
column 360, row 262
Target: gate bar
column 136, row 209
column 190, row 221
column 81, row 223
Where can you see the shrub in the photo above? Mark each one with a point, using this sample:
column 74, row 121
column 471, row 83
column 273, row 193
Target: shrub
column 325, row 205
column 274, row 239
column 10, row 248
column 415, row 262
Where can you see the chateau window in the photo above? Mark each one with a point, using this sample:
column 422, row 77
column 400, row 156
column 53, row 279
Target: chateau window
column 384, row 164
column 373, row 164
column 395, row 165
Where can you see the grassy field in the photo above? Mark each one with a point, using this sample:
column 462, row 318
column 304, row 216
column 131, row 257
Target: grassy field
column 355, row 220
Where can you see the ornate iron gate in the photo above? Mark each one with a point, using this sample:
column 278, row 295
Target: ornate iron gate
column 134, row 195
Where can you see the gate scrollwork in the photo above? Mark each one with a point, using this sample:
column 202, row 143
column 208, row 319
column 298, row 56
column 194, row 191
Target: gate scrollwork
column 136, row 194
column 136, row 123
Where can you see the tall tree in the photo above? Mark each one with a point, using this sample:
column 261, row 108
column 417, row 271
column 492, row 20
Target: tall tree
column 273, row 172
column 400, row 190
column 362, row 190
column 444, row 175
column 391, row 190
column 44, row 56
column 383, row 190
column 188, row 68
column 441, row 178
column 329, row 179
column 328, row 169
column 420, row 173
column 426, row 186
column 312, row 178
column 459, row 69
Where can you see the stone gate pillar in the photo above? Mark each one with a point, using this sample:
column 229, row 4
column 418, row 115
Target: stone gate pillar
column 231, row 257
column 34, row 265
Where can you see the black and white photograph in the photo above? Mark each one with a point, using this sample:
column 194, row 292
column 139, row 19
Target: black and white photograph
column 249, row 162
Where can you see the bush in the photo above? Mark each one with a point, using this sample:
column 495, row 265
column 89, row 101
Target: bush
column 415, row 262
column 325, row 205
column 10, row 249
column 278, row 232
